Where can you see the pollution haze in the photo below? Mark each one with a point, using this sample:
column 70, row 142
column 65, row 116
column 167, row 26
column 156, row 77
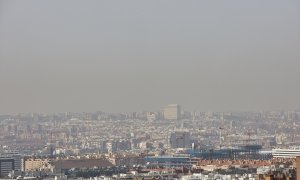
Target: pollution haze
column 118, row 56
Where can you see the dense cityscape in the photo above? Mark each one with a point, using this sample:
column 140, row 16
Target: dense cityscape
column 172, row 143
column 149, row 90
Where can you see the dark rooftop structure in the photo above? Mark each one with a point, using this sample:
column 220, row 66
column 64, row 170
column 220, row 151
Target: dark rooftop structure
column 81, row 163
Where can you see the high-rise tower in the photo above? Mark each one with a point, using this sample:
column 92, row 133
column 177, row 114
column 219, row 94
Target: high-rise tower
column 172, row 112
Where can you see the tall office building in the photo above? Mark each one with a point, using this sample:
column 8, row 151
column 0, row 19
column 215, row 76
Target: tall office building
column 18, row 159
column 172, row 112
column 6, row 166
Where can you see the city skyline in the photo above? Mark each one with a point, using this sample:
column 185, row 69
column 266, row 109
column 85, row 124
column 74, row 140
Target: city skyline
column 144, row 90
column 155, row 111
column 134, row 56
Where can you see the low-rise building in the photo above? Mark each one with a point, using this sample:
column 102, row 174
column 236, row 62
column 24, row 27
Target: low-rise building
column 33, row 164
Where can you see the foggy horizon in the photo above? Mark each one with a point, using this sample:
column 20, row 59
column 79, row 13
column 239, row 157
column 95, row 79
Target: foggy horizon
column 126, row 56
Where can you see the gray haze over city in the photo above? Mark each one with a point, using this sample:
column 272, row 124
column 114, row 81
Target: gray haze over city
column 144, row 90
column 118, row 56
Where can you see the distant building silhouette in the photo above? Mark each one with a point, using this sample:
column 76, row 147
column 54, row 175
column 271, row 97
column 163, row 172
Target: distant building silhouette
column 172, row 112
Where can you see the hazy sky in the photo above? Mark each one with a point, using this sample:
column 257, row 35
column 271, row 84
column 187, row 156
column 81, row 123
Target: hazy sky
column 58, row 56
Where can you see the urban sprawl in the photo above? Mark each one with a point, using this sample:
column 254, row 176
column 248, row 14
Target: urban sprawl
column 170, row 144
